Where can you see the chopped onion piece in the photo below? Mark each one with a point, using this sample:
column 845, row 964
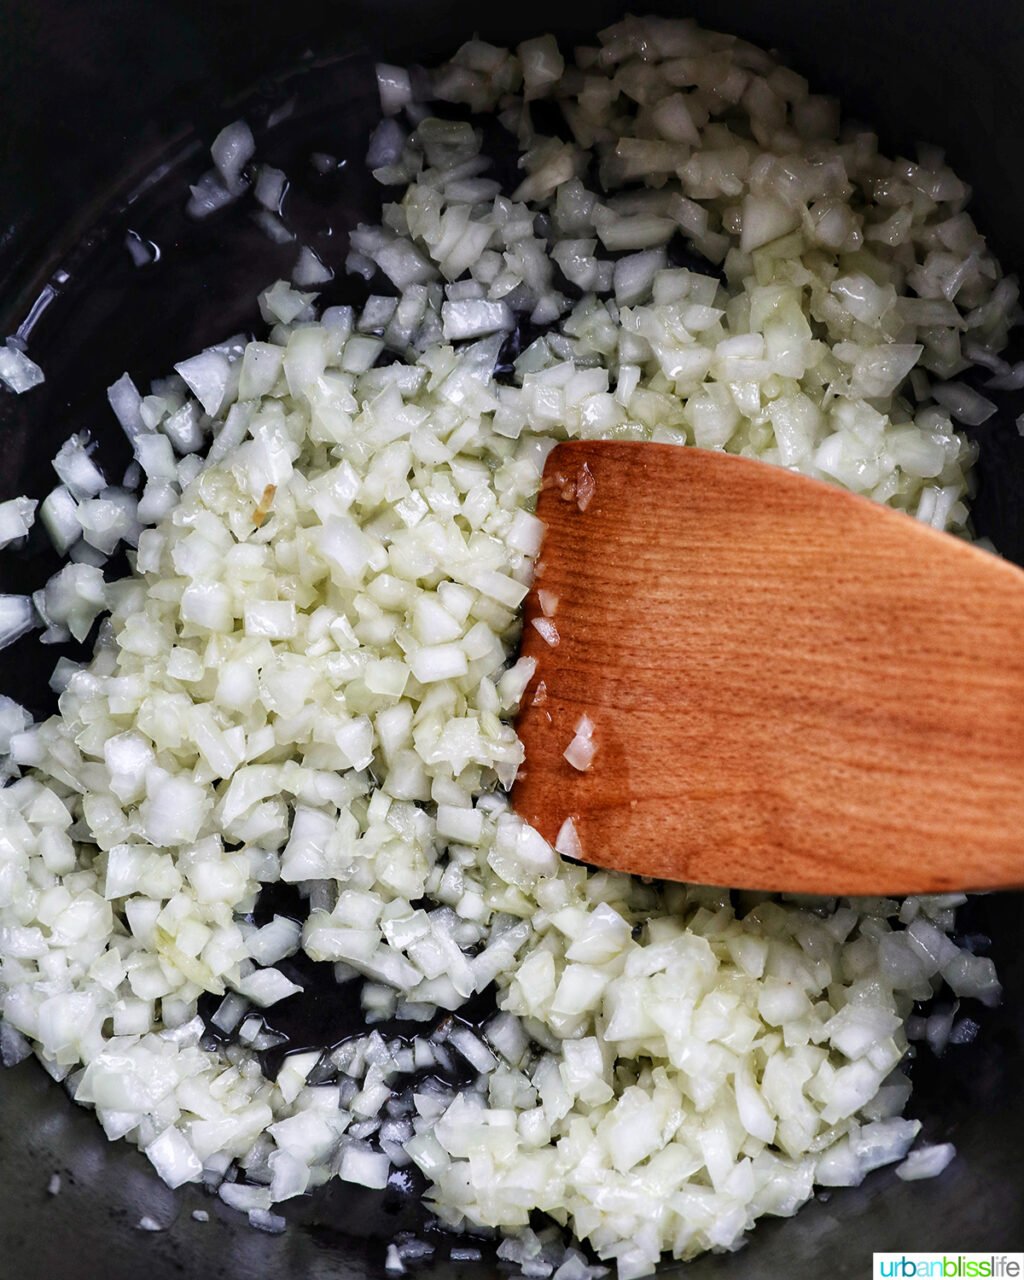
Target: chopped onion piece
column 124, row 399
column 58, row 514
column 231, row 151
column 581, row 751
column 266, row 987
column 17, row 618
column 209, row 195
column 568, row 842
column 17, row 372
column 475, row 319
column 17, row 517
column 309, row 270
column 547, row 629
column 365, row 1167
column 964, row 403
column 207, row 376
column 75, row 467
column 1011, row 379
column 271, row 186
column 394, row 87
column 926, row 1162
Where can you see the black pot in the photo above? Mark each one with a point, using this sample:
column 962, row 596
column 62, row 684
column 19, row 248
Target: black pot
column 106, row 107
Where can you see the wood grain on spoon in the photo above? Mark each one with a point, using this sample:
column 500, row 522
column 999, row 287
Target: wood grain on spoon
column 792, row 688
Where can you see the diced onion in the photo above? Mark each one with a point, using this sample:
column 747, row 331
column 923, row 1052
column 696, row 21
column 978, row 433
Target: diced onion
column 309, row 673
column 926, row 1162
column 17, row 372
column 17, row 516
column 231, row 151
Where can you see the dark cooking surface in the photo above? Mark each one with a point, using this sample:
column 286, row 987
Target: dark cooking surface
column 101, row 91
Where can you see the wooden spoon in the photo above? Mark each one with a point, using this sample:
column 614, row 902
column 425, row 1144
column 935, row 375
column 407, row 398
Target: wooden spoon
column 791, row 688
